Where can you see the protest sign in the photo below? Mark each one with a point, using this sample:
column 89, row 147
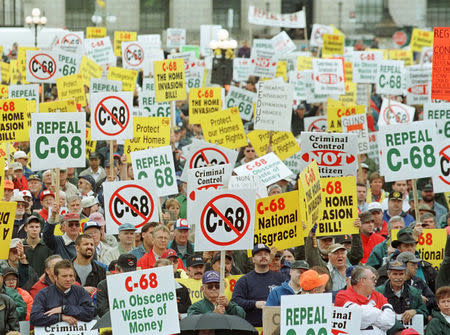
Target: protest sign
column 194, row 287
column 225, row 219
column 131, row 201
column 71, row 41
column 269, row 168
column 283, row 143
column 346, row 320
column 133, row 55
column 389, row 77
column 112, row 115
column 156, row 163
column 203, row 101
column 273, row 106
column 63, row 328
column 148, row 132
column 393, row 112
column 263, row 17
column 4, row 91
column 440, row 112
column 281, row 70
column 242, row 67
column 224, row 128
column 408, row 150
column 60, row 140
column 169, row 80
column 208, row 33
column 230, row 282
column 204, row 178
column 89, row 70
column 336, row 110
column 176, row 38
column 68, row 63
column 13, row 71
column 332, row 45
column 271, row 319
column 90, row 144
column 127, row 77
column 299, row 90
column 4, row 70
column 122, row 36
column 335, row 154
column 7, row 215
column 350, row 97
column 149, row 107
column 95, row 32
column 365, row 64
column 100, row 50
column 357, row 124
column 278, row 221
column 302, row 315
column 420, row 39
column 312, row 96
column 415, row 323
column 104, row 85
column 403, row 55
column 151, row 39
column 3, row 167
column 417, row 78
column 340, row 207
column 243, row 99
column 29, row 92
column 263, row 58
column 304, row 63
column 426, row 56
column 144, row 301
column 293, row 162
column 249, row 182
column 71, row 87
column 41, row 66
column 318, row 30
column 282, row 44
column 14, row 125
column 59, row 106
column 373, row 148
column 316, row 124
column 328, row 76
column 310, row 194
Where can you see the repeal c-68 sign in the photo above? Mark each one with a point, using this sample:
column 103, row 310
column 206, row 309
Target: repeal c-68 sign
column 41, row 66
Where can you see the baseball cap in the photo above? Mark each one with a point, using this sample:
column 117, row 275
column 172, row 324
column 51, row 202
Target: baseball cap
column 396, row 195
column 17, row 198
column 195, row 260
column 20, row 154
column 374, row 206
column 34, row 177
column 71, row 217
column 9, row 270
column 364, row 166
column 97, row 217
column 181, row 224
column 33, row 218
column 366, row 217
column 45, row 193
column 310, row 280
column 300, row 264
column 25, row 193
column 91, row 224
column 341, row 239
column 335, row 247
column 89, row 179
column 259, row 247
column 409, row 331
column 427, row 188
column 94, row 155
column 88, row 201
column 169, row 253
column 407, row 256
column 127, row 226
column 217, row 257
column 9, row 185
column 16, row 166
column 210, row 277
column 127, row 262
column 396, row 265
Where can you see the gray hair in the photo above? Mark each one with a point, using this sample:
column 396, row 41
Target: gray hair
column 72, row 198
column 427, row 216
column 49, row 259
column 163, row 262
column 359, row 272
column 393, row 219
column 158, row 228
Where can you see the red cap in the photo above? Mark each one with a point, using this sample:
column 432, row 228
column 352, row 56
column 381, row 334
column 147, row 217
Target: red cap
column 169, row 253
column 44, row 193
column 410, row 331
column 71, row 217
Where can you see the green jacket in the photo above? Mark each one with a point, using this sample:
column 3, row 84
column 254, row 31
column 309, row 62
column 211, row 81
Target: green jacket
column 377, row 255
column 443, row 277
column 21, row 306
column 183, row 205
column 8, row 315
column 205, row 306
column 438, row 325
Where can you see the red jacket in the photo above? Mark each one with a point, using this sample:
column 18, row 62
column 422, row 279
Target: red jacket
column 350, row 295
column 368, row 243
column 21, row 184
column 148, row 261
column 43, row 282
column 28, row 300
column 44, row 213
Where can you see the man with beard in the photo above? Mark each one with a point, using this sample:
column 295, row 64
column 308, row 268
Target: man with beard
column 87, row 271
column 195, row 267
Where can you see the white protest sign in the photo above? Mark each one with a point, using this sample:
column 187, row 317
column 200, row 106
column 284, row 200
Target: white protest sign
column 346, row 320
column 392, row 112
column 282, row 44
column 440, row 112
column 104, row 85
column 71, row 41
column 243, row 99
column 195, row 75
column 328, row 76
column 365, row 65
column 408, row 150
column 262, row 17
column 59, row 140
column 316, row 123
column 225, row 219
column 336, row 154
column 157, row 164
column 357, row 124
column 63, row 328
column 176, row 38
column 415, row 323
column 143, row 302
column 263, row 58
column 273, row 106
column 417, row 79
column 293, row 162
column 68, row 63
column 207, row 34
column 100, row 50
column 317, row 32
column 29, row 92
column 296, row 79
column 133, row 55
column 153, row 40
column 373, row 148
column 242, row 68
column 250, row 182
column 112, row 115
column 389, row 77
column 302, row 314
column 41, row 66
column 130, row 201
column 312, row 96
column 269, row 168
column 204, row 178
column 426, row 56
column 147, row 101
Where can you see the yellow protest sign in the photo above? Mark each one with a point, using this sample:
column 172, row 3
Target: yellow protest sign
column 431, row 245
column 349, row 98
column 420, row 39
column 90, row 144
column 348, row 71
column 224, row 128
column 230, row 283
column 310, row 194
column 3, row 150
column 22, row 61
column 340, row 208
column 7, row 214
column 13, row 71
column 282, row 69
column 4, row 89
column 284, row 144
column 447, row 198
column 193, row 286
column 127, row 77
column 4, row 69
column 169, row 80
column 203, row 101
column 333, row 44
column 122, row 36
column 95, row 32
column 58, row 106
column 71, row 87
column 31, row 108
column 336, row 30
column 15, row 120
column 2, row 177
column 304, row 63
column 278, row 221
column 148, row 132
column 336, row 109
column 400, row 54
column 89, row 69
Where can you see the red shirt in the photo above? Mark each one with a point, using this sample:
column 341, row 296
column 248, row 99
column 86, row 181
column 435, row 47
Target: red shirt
column 44, row 213
column 21, row 184
column 350, row 295
column 368, row 242
column 148, row 261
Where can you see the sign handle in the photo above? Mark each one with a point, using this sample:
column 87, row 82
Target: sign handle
column 161, row 219
column 416, row 209
column 222, row 272
column 42, row 92
column 57, row 186
column 111, row 158
column 7, row 153
column 306, row 27
column 269, row 146
column 172, row 118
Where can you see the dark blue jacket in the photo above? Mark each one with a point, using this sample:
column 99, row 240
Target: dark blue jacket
column 274, row 298
column 76, row 303
column 56, row 243
column 408, row 218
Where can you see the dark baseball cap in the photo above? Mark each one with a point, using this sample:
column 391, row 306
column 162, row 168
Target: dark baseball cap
column 34, row 177
column 259, row 247
column 195, row 260
column 94, row 155
column 217, row 258
column 396, row 195
column 127, row 262
column 210, row 277
column 300, row 264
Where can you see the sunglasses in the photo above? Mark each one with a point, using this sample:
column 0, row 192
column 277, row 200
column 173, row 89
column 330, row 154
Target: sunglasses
column 77, row 224
column 211, row 286
column 249, row 150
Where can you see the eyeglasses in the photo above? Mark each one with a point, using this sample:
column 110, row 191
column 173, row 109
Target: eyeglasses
column 249, row 150
column 175, row 260
column 212, row 286
column 77, row 224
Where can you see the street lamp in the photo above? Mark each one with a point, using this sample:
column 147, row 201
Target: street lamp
column 98, row 19
column 35, row 21
column 222, row 66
